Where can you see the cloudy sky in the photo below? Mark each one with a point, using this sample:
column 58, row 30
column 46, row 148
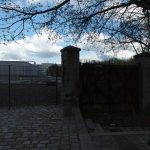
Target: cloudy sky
column 39, row 49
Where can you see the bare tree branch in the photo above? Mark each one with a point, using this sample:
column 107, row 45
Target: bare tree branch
column 9, row 8
column 122, row 23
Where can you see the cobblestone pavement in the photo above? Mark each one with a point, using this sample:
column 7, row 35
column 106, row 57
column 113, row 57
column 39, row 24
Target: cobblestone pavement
column 37, row 128
column 45, row 128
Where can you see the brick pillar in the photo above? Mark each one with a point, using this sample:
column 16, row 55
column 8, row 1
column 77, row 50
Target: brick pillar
column 70, row 69
column 144, row 80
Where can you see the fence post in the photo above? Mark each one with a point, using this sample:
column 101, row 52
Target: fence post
column 9, row 88
column 56, row 84
column 144, row 80
column 70, row 65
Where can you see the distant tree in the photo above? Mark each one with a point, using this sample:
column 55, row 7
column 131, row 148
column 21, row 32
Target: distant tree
column 54, row 70
column 118, row 61
column 113, row 60
column 123, row 23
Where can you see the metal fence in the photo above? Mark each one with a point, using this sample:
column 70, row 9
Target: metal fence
column 26, row 85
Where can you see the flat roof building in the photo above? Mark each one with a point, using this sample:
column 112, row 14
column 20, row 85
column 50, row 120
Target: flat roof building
column 19, row 69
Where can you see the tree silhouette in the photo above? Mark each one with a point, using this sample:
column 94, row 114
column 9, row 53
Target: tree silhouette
column 123, row 23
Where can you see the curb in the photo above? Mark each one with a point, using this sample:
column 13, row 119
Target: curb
column 85, row 139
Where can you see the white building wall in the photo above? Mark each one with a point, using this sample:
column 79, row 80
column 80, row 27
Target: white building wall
column 19, row 68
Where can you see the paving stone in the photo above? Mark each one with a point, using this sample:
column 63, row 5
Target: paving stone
column 39, row 127
column 75, row 148
column 44, row 142
column 26, row 142
column 7, row 147
column 41, row 145
column 3, row 143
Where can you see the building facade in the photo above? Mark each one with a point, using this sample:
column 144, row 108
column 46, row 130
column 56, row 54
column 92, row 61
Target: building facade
column 18, row 69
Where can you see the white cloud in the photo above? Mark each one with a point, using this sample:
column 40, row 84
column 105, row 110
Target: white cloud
column 88, row 55
column 34, row 47
column 125, row 54
column 43, row 1
column 40, row 49
column 137, row 13
column 34, row 1
column 101, row 51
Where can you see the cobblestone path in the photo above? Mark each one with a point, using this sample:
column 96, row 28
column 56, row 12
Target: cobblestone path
column 37, row 128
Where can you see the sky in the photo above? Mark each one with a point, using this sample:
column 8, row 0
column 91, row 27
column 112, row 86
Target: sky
column 39, row 49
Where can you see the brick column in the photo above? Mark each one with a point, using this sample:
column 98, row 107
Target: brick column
column 70, row 69
column 144, row 80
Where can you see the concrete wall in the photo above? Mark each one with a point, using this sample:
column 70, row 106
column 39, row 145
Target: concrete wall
column 70, row 65
column 70, row 79
column 144, row 82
